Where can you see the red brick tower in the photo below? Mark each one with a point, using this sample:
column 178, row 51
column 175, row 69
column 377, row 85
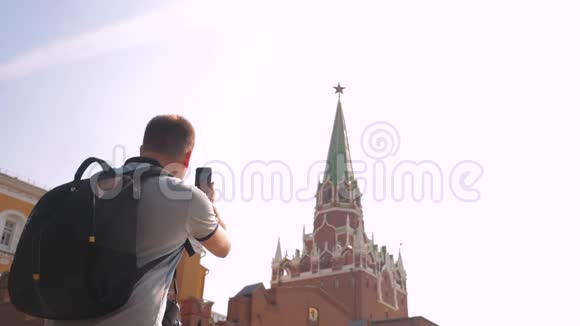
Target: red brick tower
column 338, row 256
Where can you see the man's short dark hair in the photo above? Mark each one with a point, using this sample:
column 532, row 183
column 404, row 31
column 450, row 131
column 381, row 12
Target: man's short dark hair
column 171, row 135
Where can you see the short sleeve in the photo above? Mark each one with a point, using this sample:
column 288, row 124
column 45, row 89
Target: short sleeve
column 202, row 222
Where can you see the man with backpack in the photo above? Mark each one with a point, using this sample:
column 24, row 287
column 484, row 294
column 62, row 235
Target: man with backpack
column 168, row 213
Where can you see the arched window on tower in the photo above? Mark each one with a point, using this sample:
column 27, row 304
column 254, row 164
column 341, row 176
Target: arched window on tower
column 284, row 271
column 348, row 258
column 344, row 193
column 305, row 264
column 326, row 261
column 327, row 193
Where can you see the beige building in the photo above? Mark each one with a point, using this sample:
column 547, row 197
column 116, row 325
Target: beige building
column 17, row 198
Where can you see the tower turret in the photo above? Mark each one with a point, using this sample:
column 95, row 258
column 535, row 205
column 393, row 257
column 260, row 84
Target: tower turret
column 401, row 267
column 278, row 255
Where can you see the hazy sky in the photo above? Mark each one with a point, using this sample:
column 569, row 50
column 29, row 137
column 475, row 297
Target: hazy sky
column 491, row 82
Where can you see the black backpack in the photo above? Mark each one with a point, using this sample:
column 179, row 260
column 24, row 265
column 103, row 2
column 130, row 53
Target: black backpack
column 76, row 258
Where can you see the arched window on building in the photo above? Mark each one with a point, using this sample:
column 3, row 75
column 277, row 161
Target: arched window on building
column 7, row 233
column 11, row 224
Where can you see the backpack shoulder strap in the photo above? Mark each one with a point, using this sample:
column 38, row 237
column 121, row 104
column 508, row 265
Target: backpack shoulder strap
column 83, row 167
column 140, row 174
column 156, row 171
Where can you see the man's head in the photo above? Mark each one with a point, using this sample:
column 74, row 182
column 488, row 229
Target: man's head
column 169, row 139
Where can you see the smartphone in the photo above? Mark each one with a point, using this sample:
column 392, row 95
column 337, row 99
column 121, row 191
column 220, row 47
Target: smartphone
column 203, row 178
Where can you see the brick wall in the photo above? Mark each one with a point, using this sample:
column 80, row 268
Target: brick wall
column 286, row 306
column 358, row 291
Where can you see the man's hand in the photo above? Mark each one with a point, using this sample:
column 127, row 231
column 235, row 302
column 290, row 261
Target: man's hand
column 210, row 192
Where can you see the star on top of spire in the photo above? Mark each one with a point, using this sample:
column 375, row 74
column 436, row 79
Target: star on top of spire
column 338, row 89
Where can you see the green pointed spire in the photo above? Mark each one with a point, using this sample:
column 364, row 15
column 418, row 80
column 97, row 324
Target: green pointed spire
column 339, row 164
